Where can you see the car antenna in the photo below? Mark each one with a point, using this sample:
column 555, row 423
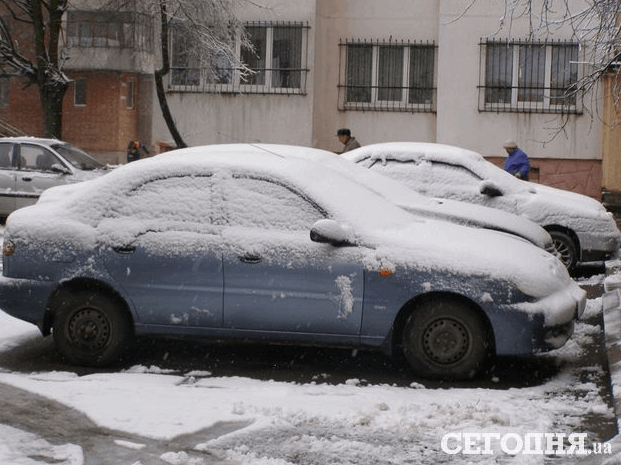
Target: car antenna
column 240, row 141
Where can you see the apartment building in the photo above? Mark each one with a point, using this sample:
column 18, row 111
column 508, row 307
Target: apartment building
column 450, row 71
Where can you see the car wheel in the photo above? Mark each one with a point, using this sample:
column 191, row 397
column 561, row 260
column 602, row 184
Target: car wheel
column 446, row 339
column 565, row 249
column 90, row 328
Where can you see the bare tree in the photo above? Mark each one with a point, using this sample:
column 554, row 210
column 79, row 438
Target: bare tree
column 21, row 23
column 209, row 31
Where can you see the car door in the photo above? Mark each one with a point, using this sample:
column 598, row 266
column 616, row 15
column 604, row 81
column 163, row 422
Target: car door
column 443, row 180
column 8, row 175
column 163, row 250
column 38, row 171
column 275, row 278
column 460, row 183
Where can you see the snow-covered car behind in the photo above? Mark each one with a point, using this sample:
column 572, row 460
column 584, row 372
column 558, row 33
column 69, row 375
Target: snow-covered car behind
column 464, row 213
column 30, row 165
column 254, row 246
column 582, row 229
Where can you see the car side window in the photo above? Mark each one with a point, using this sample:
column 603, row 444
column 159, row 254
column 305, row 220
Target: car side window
column 6, row 156
column 174, row 203
column 454, row 174
column 259, row 203
column 411, row 173
column 36, row 158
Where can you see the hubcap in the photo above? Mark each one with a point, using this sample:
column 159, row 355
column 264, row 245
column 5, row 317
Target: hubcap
column 445, row 341
column 563, row 252
column 89, row 329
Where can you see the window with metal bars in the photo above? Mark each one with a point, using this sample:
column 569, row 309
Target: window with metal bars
column 387, row 76
column 527, row 76
column 277, row 62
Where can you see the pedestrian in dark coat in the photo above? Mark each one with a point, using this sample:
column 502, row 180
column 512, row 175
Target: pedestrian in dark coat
column 135, row 149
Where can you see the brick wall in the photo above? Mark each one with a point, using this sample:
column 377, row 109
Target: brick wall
column 580, row 176
column 23, row 111
column 105, row 124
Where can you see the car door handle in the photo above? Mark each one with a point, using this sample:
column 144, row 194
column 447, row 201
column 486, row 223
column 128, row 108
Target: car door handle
column 250, row 258
column 126, row 249
column 25, row 178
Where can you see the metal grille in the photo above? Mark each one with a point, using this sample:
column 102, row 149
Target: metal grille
column 387, row 76
column 527, row 76
column 278, row 62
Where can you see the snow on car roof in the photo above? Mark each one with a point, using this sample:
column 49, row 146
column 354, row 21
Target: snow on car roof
column 392, row 235
column 421, row 151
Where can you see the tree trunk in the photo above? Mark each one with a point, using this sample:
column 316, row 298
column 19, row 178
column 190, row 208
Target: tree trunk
column 52, row 92
column 168, row 118
column 51, row 81
column 159, row 79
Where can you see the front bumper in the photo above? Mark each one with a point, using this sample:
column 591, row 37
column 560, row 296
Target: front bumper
column 539, row 326
column 595, row 248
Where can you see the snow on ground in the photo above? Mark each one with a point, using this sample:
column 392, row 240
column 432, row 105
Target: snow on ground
column 314, row 423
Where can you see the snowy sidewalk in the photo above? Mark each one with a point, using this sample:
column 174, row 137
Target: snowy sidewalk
column 612, row 331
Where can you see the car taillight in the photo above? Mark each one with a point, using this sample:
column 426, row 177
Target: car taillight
column 8, row 249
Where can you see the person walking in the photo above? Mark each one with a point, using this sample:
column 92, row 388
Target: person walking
column 134, row 150
column 517, row 163
column 345, row 138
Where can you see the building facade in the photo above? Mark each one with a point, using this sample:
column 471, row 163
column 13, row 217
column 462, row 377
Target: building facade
column 448, row 71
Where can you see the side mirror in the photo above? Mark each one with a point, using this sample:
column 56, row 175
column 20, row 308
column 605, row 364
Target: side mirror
column 332, row 232
column 490, row 189
column 58, row 168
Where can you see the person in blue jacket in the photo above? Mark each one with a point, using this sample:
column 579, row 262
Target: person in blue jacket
column 517, row 163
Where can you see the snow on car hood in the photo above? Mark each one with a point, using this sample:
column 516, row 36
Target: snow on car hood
column 388, row 235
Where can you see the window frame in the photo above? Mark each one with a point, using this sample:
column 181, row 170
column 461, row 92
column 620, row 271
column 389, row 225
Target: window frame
column 526, row 97
column 379, row 94
column 236, row 82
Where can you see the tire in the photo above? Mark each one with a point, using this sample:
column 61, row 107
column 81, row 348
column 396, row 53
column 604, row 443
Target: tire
column 565, row 249
column 446, row 339
column 90, row 328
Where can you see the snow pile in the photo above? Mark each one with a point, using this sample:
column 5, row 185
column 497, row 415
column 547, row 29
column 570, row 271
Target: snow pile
column 20, row 448
column 310, row 423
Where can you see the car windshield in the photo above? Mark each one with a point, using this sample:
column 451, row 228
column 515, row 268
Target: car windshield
column 78, row 158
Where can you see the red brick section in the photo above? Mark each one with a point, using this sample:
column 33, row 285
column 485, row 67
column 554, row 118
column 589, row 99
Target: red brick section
column 581, row 176
column 104, row 124
column 24, row 108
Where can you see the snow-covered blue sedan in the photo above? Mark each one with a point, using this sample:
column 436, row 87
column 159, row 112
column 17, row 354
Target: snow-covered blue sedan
column 246, row 244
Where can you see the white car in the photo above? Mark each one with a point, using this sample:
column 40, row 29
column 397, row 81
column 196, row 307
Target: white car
column 582, row 229
column 30, row 165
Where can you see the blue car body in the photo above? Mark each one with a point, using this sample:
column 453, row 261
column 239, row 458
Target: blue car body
column 263, row 253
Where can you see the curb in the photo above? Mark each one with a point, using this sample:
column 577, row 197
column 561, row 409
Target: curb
column 611, row 305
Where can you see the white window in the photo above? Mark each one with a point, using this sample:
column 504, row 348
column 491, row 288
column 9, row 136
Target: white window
column 387, row 76
column 277, row 62
column 530, row 76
